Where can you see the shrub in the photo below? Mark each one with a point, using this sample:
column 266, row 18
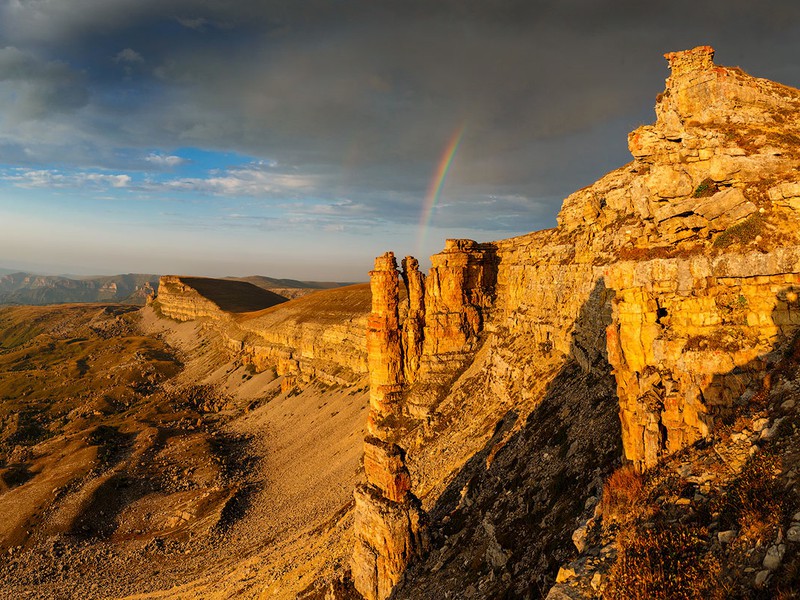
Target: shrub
column 754, row 501
column 623, row 493
column 663, row 561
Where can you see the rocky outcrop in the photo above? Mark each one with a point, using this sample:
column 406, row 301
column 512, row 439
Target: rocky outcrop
column 689, row 337
column 677, row 272
column 384, row 338
column 458, row 290
column 319, row 336
column 414, row 323
column 389, row 524
column 180, row 301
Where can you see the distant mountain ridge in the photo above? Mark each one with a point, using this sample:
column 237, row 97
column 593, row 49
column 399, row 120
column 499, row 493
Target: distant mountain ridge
column 29, row 288
column 21, row 287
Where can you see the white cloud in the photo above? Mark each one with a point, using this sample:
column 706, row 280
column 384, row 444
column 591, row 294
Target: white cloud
column 248, row 181
column 51, row 178
column 163, row 160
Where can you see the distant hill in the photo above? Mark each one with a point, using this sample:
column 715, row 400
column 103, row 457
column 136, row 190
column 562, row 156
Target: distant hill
column 289, row 288
column 28, row 288
column 20, row 287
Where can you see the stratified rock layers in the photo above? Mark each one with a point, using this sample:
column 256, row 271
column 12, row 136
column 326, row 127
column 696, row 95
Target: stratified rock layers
column 389, row 525
column 679, row 271
column 320, row 335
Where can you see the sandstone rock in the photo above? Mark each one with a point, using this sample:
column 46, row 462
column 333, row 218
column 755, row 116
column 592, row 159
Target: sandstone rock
column 387, row 535
column 384, row 344
column 761, row 578
column 633, row 277
column 579, row 538
column 597, row 581
column 384, row 465
column 564, row 574
column 415, row 319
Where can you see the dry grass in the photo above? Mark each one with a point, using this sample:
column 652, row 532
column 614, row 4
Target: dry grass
column 663, row 561
column 623, row 493
column 754, row 502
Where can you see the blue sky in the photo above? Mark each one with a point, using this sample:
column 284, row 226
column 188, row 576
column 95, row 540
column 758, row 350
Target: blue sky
column 298, row 139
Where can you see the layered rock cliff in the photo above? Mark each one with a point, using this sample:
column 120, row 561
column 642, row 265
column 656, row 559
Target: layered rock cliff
column 657, row 305
column 319, row 335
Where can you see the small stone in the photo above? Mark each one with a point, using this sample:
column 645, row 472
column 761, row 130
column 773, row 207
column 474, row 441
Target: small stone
column 761, row 577
column 726, row 537
column 597, row 580
column 788, row 404
column 774, row 557
column 771, row 432
column 793, row 535
column 760, row 424
column 565, row 573
column 579, row 538
column 796, row 517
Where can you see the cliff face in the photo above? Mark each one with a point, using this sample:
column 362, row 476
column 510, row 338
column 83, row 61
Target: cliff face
column 319, row 335
column 676, row 274
column 180, row 301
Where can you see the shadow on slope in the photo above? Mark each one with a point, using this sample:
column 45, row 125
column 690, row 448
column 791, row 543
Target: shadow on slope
column 503, row 526
column 234, row 296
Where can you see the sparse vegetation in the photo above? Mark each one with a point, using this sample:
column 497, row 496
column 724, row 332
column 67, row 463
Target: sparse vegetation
column 661, row 560
column 742, row 233
column 623, row 493
column 707, row 188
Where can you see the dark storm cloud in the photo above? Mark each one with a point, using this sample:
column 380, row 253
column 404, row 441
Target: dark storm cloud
column 361, row 97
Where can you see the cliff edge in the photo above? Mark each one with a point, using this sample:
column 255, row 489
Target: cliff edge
column 638, row 326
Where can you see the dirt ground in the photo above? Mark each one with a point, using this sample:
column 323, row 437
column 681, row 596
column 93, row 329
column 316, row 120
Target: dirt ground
column 136, row 460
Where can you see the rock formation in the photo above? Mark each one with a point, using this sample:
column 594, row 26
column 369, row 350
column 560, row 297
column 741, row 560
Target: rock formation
column 317, row 336
column 672, row 281
column 384, row 343
column 180, row 301
column 679, row 271
column 415, row 318
column 389, row 523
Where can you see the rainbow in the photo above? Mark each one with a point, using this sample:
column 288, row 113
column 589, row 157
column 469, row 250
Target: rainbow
column 437, row 184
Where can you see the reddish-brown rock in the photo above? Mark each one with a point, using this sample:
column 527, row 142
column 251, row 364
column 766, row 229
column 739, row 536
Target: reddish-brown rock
column 384, row 466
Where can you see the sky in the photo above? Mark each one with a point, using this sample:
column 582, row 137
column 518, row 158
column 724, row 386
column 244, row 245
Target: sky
column 301, row 138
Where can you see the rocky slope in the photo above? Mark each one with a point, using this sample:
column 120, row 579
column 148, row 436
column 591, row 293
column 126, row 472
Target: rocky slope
column 665, row 294
column 137, row 459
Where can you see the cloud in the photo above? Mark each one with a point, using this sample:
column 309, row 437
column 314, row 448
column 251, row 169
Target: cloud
column 162, row 160
column 128, row 55
column 54, row 179
column 361, row 98
column 248, row 181
column 32, row 88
